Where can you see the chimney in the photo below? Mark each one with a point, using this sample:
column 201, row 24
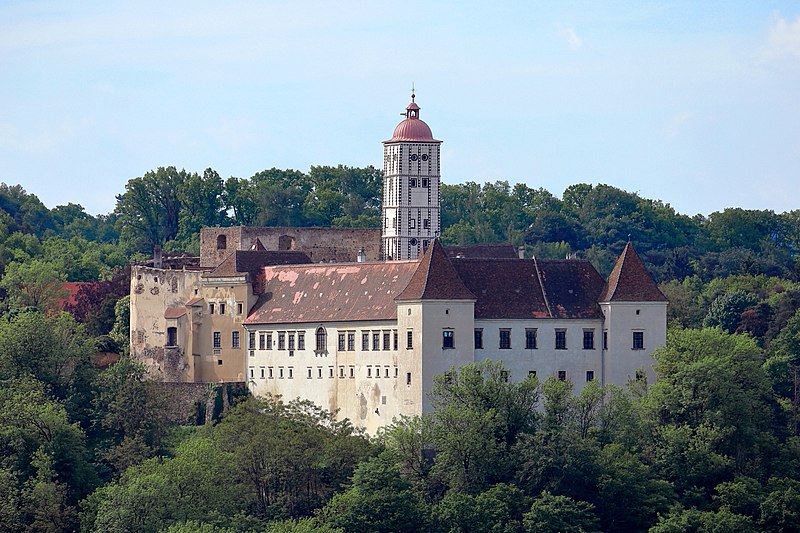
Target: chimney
column 521, row 251
column 362, row 257
column 157, row 262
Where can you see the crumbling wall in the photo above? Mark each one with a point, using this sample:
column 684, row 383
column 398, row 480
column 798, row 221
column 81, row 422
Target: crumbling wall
column 203, row 403
column 320, row 244
column 153, row 290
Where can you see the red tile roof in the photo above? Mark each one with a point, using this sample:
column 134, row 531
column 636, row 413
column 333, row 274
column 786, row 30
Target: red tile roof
column 527, row 288
column 331, row 292
column 174, row 312
column 629, row 281
column 506, row 251
column 435, row 279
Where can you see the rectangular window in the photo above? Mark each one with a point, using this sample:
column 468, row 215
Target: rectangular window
column 321, row 340
column 561, row 339
column 412, row 223
column 172, row 337
column 280, row 372
column 425, row 182
column 352, row 371
column 505, row 339
column 269, row 341
column 530, row 339
column 386, row 371
column 376, row 340
column 319, row 372
column 262, row 372
column 386, row 345
column 291, row 372
column 351, row 341
column 638, row 340
column 588, row 339
column 271, row 373
column 409, row 340
column 291, row 341
column 412, row 182
column 408, row 378
column 364, row 342
column 309, row 372
column 369, row 372
column 217, row 339
column 262, row 342
column 211, row 307
column 252, row 340
column 589, row 375
column 239, row 308
column 330, row 372
column 532, row 373
column 562, row 375
column 281, row 341
column 448, row 339
column 396, row 337
column 341, row 342
column 479, row 339
column 222, row 309
column 341, row 371
column 234, row 339
column 426, row 223
column 301, row 340
column 252, row 372
column 605, row 339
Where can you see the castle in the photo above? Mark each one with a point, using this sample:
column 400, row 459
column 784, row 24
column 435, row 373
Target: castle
column 362, row 320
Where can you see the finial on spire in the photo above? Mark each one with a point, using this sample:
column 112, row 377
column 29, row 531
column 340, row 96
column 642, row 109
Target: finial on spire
column 412, row 91
column 629, row 238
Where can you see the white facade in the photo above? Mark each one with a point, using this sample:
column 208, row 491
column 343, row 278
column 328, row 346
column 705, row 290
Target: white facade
column 372, row 386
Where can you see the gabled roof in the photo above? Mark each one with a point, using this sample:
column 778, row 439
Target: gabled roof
column 528, row 288
column 242, row 261
column 435, row 279
column 506, row 251
column 629, row 281
column 331, row 292
column 572, row 287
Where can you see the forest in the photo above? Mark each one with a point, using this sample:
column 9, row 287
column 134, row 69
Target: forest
column 712, row 446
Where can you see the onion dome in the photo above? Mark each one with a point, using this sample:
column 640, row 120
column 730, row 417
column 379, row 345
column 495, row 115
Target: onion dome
column 412, row 129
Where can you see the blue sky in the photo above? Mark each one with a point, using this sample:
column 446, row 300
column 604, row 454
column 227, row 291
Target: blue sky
column 693, row 103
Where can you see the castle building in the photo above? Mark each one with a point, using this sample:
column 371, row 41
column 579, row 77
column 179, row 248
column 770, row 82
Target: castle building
column 411, row 179
column 323, row 313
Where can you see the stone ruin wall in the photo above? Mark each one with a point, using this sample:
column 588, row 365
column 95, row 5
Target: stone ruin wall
column 320, row 244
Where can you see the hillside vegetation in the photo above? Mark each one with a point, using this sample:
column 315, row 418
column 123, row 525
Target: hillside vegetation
column 713, row 446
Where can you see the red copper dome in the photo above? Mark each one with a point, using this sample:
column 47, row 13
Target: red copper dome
column 412, row 129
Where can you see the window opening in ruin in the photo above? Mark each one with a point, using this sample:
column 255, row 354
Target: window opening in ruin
column 222, row 242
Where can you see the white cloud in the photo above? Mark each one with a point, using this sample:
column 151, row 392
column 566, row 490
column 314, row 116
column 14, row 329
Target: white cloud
column 783, row 38
column 573, row 40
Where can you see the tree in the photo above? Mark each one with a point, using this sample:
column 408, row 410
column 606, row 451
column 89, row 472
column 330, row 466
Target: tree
column 478, row 416
column 34, row 283
column 560, row 514
column 713, row 383
column 149, row 209
column 199, row 483
column 293, row 457
column 378, row 500
column 496, row 510
column 726, row 310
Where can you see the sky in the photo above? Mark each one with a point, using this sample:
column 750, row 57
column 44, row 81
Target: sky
column 693, row 103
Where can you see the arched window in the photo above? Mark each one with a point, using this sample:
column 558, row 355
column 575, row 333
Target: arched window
column 222, row 242
column 322, row 340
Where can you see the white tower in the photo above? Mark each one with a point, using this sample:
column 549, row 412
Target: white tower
column 410, row 187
